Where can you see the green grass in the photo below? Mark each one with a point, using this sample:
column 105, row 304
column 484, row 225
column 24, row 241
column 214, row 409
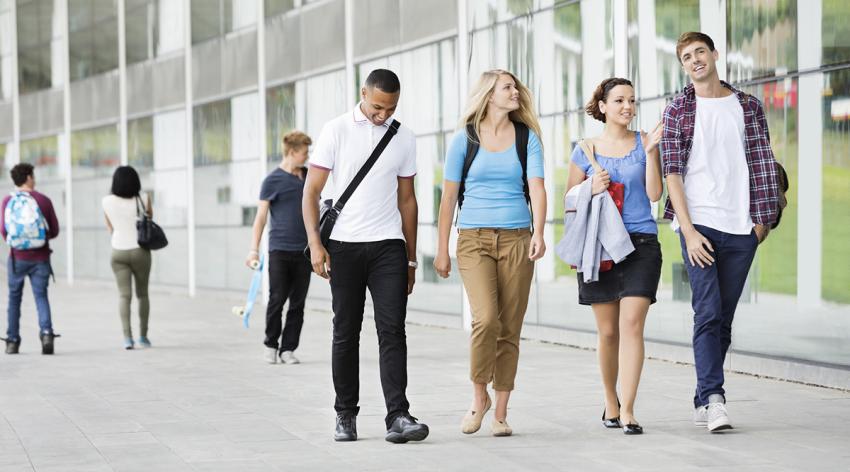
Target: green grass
column 836, row 234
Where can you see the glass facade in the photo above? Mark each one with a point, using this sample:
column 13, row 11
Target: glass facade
column 39, row 51
column 561, row 49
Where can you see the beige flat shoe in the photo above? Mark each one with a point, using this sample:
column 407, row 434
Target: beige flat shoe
column 472, row 420
column 501, row 428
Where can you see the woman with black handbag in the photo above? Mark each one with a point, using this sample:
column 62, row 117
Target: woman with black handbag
column 131, row 263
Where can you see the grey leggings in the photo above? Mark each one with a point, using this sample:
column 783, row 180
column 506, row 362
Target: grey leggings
column 128, row 264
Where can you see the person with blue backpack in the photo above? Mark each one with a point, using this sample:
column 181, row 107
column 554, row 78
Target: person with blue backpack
column 28, row 224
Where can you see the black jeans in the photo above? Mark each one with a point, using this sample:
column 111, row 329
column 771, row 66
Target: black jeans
column 381, row 267
column 289, row 277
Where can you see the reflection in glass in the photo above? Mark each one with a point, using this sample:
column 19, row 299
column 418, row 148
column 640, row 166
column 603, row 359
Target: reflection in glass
column 836, row 191
column 43, row 153
column 140, row 143
column 280, row 107
column 277, row 7
column 776, row 260
column 95, row 151
column 211, row 19
column 93, row 26
column 141, row 29
column 654, row 27
column 836, row 34
column 35, row 32
column 212, row 133
column 762, row 38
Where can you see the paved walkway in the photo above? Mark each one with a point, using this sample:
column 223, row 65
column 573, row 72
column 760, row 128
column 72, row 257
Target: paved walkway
column 202, row 399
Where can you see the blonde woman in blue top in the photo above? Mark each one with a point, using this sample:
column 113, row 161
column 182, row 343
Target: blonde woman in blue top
column 621, row 297
column 496, row 246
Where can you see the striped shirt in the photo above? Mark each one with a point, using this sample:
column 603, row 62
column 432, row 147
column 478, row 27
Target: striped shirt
column 678, row 137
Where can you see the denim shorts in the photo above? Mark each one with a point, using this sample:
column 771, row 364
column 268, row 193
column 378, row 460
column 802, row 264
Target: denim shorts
column 636, row 276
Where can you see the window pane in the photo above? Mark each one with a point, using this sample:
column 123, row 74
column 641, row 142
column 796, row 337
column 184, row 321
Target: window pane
column 35, row 30
column 762, row 38
column 280, row 109
column 277, row 7
column 654, row 68
column 43, row 153
column 140, row 143
column 94, row 37
column 836, row 34
column 212, row 133
column 141, row 29
column 776, row 260
column 210, row 19
column 836, row 191
column 95, row 151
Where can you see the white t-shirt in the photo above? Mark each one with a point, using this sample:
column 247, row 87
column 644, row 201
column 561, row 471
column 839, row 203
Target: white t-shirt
column 122, row 215
column 717, row 177
column 345, row 143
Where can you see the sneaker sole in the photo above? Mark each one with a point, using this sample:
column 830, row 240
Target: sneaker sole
column 344, row 439
column 719, row 427
column 701, row 424
column 401, row 438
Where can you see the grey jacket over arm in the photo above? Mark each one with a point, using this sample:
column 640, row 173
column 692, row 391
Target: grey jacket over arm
column 593, row 231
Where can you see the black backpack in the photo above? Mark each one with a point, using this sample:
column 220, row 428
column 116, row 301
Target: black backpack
column 472, row 145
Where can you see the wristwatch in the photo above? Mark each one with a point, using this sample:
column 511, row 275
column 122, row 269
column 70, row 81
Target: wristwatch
column 413, row 264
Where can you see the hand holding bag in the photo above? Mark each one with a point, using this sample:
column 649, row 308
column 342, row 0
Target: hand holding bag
column 148, row 234
column 617, row 191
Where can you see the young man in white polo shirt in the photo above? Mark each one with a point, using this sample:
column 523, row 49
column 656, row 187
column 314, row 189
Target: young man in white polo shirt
column 372, row 245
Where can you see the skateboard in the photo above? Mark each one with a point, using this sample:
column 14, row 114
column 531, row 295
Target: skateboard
column 244, row 311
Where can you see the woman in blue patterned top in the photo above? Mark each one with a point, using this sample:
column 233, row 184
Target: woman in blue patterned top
column 621, row 297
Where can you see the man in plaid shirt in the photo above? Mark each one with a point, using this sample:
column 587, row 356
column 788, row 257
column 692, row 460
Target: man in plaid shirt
column 722, row 180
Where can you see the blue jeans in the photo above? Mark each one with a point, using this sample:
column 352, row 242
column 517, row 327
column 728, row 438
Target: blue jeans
column 715, row 292
column 39, row 274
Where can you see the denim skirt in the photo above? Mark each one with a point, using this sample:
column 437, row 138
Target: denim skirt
column 635, row 276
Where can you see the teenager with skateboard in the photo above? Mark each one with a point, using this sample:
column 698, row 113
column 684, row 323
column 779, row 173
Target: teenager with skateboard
column 289, row 272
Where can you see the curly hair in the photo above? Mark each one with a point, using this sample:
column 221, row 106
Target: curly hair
column 601, row 95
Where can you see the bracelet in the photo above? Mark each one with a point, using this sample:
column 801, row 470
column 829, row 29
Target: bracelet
column 252, row 251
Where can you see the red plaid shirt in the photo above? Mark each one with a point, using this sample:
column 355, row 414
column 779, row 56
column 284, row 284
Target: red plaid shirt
column 678, row 137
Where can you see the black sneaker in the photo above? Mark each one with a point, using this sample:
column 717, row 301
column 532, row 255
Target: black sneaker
column 12, row 347
column 346, row 427
column 406, row 428
column 47, row 342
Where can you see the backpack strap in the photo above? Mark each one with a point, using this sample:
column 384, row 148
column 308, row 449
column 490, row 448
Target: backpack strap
column 472, row 146
column 521, row 131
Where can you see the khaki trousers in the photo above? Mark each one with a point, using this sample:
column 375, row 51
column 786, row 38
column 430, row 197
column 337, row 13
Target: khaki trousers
column 496, row 273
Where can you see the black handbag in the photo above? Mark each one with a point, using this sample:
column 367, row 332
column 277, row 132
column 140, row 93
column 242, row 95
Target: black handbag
column 149, row 235
column 328, row 211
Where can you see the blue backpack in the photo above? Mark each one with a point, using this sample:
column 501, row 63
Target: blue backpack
column 26, row 227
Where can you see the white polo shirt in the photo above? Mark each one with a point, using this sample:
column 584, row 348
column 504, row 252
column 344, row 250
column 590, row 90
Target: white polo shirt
column 344, row 145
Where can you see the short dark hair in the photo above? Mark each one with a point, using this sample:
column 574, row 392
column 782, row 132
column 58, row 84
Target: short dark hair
column 385, row 80
column 692, row 37
column 601, row 95
column 126, row 183
column 20, row 173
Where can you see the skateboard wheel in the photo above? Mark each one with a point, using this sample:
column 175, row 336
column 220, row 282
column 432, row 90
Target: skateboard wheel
column 255, row 264
column 238, row 311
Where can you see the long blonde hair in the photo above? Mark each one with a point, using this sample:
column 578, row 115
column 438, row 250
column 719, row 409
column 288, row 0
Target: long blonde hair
column 479, row 98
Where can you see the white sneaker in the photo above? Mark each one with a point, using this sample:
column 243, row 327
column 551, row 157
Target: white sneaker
column 288, row 358
column 270, row 355
column 701, row 416
column 718, row 418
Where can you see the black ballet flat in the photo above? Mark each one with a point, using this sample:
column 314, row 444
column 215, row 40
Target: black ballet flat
column 611, row 422
column 632, row 429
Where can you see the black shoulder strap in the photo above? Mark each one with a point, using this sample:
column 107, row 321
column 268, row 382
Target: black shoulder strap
column 361, row 174
column 472, row 145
